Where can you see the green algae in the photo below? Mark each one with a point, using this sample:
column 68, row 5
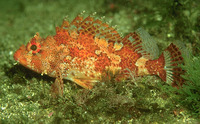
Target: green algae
column 25, row 96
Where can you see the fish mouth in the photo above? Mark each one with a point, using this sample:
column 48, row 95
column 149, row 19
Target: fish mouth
column 19, row 56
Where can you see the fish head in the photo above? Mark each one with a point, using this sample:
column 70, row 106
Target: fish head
column 38, row 55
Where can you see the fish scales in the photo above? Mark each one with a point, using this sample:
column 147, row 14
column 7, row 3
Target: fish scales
column 85, row 49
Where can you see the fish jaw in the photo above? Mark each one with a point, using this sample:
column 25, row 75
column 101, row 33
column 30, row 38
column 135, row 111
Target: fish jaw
column 24, row 57
column 19, row 56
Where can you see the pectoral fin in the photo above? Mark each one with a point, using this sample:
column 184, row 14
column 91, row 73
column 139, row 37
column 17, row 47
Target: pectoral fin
column 57, row 87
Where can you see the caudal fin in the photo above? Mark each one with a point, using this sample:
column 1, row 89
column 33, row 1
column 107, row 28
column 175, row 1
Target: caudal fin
column 172, row 60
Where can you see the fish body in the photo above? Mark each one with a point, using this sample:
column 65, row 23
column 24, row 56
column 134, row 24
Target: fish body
column 84, row 50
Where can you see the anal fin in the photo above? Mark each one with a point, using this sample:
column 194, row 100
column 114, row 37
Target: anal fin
column 85, row 83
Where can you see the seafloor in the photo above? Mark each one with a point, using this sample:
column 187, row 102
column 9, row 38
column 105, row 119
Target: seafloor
column 25, row 96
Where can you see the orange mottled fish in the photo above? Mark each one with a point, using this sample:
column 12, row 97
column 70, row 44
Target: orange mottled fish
column 85, row 49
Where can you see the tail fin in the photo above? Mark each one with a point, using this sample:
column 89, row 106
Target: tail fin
column 172, row 60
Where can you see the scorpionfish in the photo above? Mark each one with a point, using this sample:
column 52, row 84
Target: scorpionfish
column 85, row 49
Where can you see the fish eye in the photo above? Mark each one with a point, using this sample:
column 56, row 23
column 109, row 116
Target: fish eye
column 34, row 47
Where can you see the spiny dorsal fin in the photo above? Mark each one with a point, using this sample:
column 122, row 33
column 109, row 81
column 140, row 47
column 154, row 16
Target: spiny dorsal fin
column 143, row 43
column 97, row 28
column 91, row 26
column 77, row 20
column 133, row 41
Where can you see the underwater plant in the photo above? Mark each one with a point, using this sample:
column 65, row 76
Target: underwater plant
column 190, row 92
column 188, row 96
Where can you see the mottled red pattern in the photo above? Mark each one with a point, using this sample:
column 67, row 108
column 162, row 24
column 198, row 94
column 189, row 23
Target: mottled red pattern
column 85, row 49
